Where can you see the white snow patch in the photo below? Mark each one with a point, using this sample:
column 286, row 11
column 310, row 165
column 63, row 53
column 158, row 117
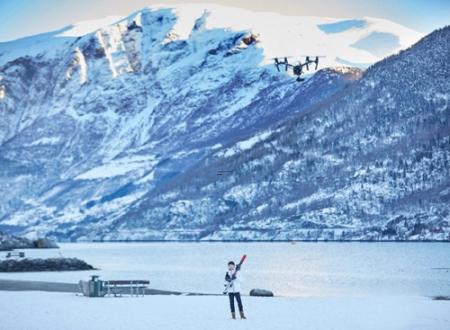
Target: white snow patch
column 78, row 62
column 118, row 167
column 181, row 207
column 85, row 27
column 261, row 208
column 45, row 141
column 148, row 178
column 2, row 92
column 333, row 159
column 317, row 196
column 245, row 144
column 242, row 193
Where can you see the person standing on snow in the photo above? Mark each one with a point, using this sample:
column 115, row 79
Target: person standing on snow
column 234, row 287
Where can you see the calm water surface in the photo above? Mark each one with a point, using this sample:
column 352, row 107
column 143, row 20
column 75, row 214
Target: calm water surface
column 303, row 269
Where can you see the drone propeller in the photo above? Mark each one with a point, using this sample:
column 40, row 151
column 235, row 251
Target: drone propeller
column 282, row 57
column 317, row 62
column 319, row 56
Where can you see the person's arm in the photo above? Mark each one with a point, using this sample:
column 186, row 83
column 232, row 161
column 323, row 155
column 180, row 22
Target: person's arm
column 228, row 277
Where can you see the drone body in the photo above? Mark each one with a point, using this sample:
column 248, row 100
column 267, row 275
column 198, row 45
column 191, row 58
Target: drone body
column 297, row 69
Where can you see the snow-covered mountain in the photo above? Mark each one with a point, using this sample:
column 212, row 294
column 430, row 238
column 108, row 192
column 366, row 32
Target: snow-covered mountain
column 155, row 127
column 372, row 162
column 359, row 42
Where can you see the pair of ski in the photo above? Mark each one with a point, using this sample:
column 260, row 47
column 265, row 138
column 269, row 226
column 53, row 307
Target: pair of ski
column 238, row 267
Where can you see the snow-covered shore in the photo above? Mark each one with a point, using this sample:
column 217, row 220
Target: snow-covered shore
column 44, row 310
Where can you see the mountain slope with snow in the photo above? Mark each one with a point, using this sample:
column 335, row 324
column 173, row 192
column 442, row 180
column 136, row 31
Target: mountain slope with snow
column 371, row 164
column 109, row 128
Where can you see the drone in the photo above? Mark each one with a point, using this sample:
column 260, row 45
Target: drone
column 297, row 69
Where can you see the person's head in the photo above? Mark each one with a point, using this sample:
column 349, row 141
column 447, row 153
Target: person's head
column 231, row 266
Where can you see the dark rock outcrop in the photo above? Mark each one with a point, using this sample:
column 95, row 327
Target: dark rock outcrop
column 261, row 293
column 45, row 243
column 44, row 265
column 9, row 242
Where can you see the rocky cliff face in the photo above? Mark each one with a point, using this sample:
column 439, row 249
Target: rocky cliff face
column 140, row 130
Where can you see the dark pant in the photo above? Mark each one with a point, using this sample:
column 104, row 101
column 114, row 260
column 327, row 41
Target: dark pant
column 236, row 295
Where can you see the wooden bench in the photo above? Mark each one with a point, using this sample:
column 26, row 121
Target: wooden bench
column 134, row 288
column 15, row 255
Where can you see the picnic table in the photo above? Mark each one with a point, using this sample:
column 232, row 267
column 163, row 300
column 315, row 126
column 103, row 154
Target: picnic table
column 133, row 287
column 15, row 255
column 99, row 288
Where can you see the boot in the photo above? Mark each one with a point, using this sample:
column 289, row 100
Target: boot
column 242, row 315
column 233, row 315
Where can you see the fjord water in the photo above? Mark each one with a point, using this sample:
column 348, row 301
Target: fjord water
column 302, row 269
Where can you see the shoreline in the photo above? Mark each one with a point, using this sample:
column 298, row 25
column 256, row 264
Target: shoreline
column 294, row 241
column 43, row 286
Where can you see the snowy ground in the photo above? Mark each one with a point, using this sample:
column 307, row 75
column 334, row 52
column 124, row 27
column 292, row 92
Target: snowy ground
column 43, row 310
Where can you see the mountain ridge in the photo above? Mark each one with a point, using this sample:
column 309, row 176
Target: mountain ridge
column 218, row 16
column 129, row 133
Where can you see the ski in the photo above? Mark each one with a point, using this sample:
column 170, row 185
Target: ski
column 238, row 267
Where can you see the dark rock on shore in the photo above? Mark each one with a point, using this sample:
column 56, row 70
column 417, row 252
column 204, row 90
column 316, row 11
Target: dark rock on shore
column 447, row 298
column 44, row 265
column 9, row 242
column 261, row 293
column 45, row 243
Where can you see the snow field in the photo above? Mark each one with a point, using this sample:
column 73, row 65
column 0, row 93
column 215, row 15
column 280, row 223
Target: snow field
column 42, row 310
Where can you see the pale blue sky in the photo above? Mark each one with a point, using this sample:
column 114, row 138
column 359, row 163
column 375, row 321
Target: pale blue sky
column 26, row 17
